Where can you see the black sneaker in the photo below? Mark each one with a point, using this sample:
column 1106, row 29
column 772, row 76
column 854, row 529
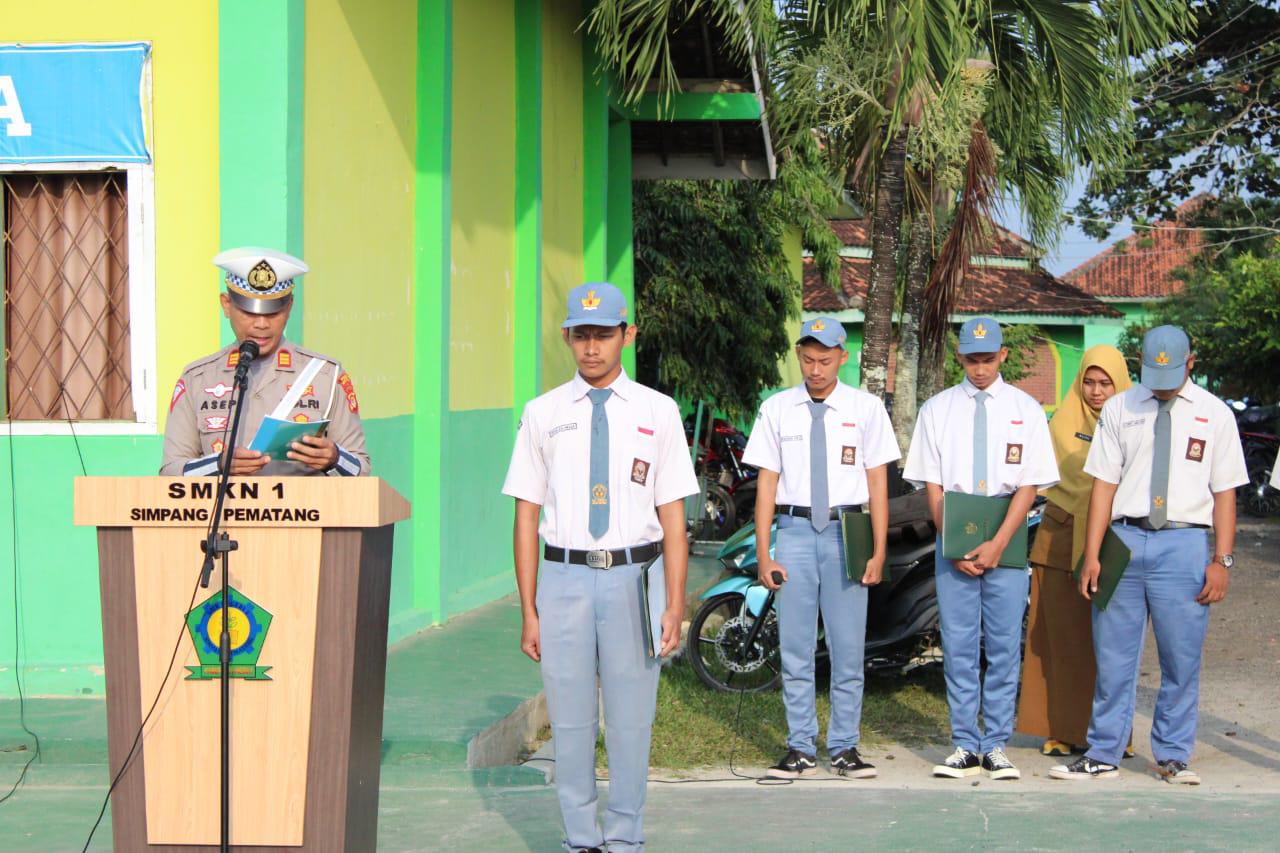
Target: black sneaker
column 1178, row 773
column 847, row 762
column 998, row 765
column 1084, row 768
column 959, row 764
column 793, row 765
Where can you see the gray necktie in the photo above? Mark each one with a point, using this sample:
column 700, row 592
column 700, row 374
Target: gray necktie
column 819, row 497
column 980, row 442
column 1159, row 513
column 598, row 517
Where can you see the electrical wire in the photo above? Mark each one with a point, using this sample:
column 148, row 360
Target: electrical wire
column 138, row 737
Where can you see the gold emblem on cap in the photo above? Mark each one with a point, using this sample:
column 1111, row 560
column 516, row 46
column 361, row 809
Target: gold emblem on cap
column 817, row 326
column 590, row 302
column 979, row 331
column 1162, row 359
column 262, row 276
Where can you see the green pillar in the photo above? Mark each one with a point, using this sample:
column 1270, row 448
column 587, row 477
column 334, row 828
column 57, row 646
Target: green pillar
column 620, row 256
column 595, row 162
column 431, row 274
column 527, row 349
column 260, row 98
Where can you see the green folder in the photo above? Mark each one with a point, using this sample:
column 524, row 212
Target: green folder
column 653, row 603
column 1114, row 556
column 970, row 520
column 858, row 544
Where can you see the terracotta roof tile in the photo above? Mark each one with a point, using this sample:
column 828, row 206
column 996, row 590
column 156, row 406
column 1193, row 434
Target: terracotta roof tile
column 1143, row 265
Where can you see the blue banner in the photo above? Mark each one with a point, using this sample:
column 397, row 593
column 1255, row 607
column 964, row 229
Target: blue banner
column 72, row 103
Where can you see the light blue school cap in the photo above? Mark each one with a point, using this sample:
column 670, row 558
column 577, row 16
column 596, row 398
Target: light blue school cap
column 595, row 303
column 1165, row 350
column 825, row 330
column 981, row 334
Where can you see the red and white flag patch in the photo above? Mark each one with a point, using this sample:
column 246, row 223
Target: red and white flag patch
column 178, row 391
column 645, row 430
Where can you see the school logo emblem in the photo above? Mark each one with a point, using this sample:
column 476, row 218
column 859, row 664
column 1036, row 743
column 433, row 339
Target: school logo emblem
column 246, row 628
column 1013, row 454
column 1157, row 501
column 979, row 331
column 1195, row 449
column 848, row 455
column 590, row 302
column 1162, row 359
column 262, row 276
column 818, row 326
column 599, row 494
column 639, row 471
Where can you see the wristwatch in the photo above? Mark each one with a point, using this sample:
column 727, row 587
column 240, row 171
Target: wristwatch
column 1224, row 560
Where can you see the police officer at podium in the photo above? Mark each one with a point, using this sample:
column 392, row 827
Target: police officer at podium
column 257, row 302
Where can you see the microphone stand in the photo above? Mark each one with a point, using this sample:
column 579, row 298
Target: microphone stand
column 220, row 544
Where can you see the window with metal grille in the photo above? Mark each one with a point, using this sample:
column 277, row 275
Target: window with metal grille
column 66, row 296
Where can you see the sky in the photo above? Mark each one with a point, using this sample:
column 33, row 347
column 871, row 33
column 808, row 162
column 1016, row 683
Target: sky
column 1074, row 247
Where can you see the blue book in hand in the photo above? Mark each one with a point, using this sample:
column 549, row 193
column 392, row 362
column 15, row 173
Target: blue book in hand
column 275, row 435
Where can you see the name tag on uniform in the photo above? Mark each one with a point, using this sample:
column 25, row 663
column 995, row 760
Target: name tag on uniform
column 1195, row 449
column 792, row 438
column 562, row 428
column 1133, row 423
column 1084, row 437
column 1013, row 454
column 848, row 455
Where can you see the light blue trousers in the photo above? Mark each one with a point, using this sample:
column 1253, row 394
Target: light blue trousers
column 817, row 582
column 977, row 613
column 1165, row 574
column 591, row 627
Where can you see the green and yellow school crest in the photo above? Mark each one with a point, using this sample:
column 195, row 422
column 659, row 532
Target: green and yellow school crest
column 246, row 628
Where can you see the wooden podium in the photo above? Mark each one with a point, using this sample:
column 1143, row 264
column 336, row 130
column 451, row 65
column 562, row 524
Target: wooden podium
column 312, row 578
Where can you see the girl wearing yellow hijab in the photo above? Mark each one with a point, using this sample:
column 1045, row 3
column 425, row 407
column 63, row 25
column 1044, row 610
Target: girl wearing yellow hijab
column 1058, row 668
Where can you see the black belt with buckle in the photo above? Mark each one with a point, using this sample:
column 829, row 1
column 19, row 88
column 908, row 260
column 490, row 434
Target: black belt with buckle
column 1145, row 523
column 603, row 559
column 804, row 511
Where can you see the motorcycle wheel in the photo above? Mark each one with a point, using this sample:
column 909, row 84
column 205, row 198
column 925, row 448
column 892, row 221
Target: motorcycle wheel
column 1258, row 497
column 718, row 515
column 715, row 655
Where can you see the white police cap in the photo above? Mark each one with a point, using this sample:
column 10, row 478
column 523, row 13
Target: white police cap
column 259, row 280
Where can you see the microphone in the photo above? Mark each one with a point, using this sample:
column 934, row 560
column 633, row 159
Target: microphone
column 777, row 578
column 248, row 352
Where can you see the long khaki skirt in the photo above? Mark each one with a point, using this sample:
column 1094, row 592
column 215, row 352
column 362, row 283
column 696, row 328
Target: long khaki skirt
column 1058, row 668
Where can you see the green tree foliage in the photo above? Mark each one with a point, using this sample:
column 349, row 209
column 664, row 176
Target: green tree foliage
column 1232, row 316
column 1206, row 119
column 1021, row 342
column 714, row 287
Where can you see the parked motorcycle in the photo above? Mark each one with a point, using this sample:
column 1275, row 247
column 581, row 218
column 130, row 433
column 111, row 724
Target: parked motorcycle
column 731, row 485
column 1258, row 436
column 733, row 638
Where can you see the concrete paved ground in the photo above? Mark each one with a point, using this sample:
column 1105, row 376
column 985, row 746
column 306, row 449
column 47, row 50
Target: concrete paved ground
column 447, row 684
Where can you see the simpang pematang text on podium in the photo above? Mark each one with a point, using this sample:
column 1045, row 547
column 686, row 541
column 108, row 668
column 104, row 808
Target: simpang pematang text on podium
column 310, row 587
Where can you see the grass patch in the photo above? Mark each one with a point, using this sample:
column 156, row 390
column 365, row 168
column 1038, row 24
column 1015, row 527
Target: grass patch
column 694, row 726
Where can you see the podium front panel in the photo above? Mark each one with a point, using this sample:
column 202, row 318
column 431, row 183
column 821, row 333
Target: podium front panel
column 276, row 578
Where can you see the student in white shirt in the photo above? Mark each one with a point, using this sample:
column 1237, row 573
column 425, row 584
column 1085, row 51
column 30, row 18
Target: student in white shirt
column 1166, row 460
column 821, row 448
column 603, row 462
column 981, row 437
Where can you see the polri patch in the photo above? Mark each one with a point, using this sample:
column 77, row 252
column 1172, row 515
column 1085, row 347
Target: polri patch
column 848, row 455
column 1013, row 454
column 345, row 381
column 639, row 471
column 178, row 391
column 1195, row 449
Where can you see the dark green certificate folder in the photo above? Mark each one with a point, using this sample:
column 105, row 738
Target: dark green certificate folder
column 1114, row 556
column 858, row 544
column 653, row 603
column 970, row 520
